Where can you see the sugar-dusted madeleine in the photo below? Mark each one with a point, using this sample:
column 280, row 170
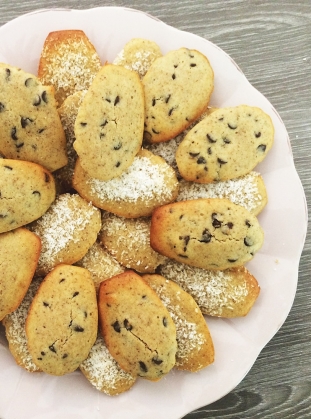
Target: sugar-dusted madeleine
column 195, row 348
column 20, row 250
column 110, row 123
column 206, row 233
column 228, row 293
column 137, row 328
column 68, row 61
column 177, row 89
column 62, row 320
column 228, row 143
column 27, row 191
column 30, row 125
column 148, row 183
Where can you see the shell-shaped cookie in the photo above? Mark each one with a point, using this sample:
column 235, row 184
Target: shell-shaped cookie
column 100, row 263
column 15, row 332
column 27, row 191
column 226, row 144
column 62, row 321
column 128, row 240
column 195, row 349
column 148, row 183
column 103, row 372
column 206, row 233
column 67, row 231
column 68, row 62
column 249, row 191
column 137, row 328
column 178, row 87
column 20, row 250
column 228, row 293
column 138, row 54
column 110, row 122
column 30, row 125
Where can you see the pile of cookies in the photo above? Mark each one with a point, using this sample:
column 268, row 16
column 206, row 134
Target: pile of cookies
column 128, row 209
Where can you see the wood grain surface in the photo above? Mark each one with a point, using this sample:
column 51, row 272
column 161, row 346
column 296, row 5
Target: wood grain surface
column 270, row 40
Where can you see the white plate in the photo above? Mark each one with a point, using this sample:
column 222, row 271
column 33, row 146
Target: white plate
column 237, row 342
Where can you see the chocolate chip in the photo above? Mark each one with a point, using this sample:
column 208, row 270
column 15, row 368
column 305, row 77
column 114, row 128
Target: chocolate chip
column 46, row 177
column 157, row 361
column 257, row 134
column 83, row 124
column 62, row 280
column 201, row 160
column 170, row 111
column 78, row 328
column 3, row 216
column 65, row 356
column 164, row 321
column 108, row 100
column 44, row 97
column 262, row 148
column 36, row 193
column 143, row 366
column 36, row 101
column 117, row 146
column 40, row 130
column 117, row 100
column 2, row 107
column 174, row 76
column 155, row 132
column 46, row 304
column 75, row 294
column 193, row 65
column 153, row 101
column 25, row 122
column 226, row 141
column 183, row 256
column 13, row 134
column 210, row 138
column 209, row 150
column 167, row 99
column 220, row 161
column 127, row 325
column 230, row 225
column 101, row 125
column 232, row 126
column 116, row 326
column 181, row 216
column 216, row 223
column 206, row 236
column 39, row 359
column 248, row 223
column 8, row 167
column 7, row 74
column 248, row 241
column 118, row 164
column 52, row 348
column 232, row 260
column 42, row 353
column 20, row 145
column 28, row 82
column 193, row 154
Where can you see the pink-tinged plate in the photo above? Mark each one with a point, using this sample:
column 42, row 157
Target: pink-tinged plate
column 238, row 341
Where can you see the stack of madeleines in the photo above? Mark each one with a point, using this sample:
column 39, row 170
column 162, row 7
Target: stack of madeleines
column 128, row 210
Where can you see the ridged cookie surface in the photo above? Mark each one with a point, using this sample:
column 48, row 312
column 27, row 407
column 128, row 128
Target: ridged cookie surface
column 195, row 349
column 110, row 122
column 206, row 233
column 62, row 321
column 136, row 326
column 27, row 191
column 30, row 125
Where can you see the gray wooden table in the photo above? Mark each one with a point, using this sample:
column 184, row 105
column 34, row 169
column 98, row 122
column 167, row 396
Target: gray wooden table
column 271, row 42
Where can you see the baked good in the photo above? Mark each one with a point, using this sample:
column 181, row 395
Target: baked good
column 67, row 231
column 100, row 264
column 62, row 321
column 177, row 87
column 68, row 61
column 226, row 144
column 136, row 326
column 30, row 125
column 15, row 332
column 128, row 240
column 110, row 123
column 138, row 54
column 206, row 233
column 249, row 191
column 19, row 256
column 103, row 372
column 68, row 112
column 27, row 191
column 228, row 293
column 148, row 183
column 195, row 349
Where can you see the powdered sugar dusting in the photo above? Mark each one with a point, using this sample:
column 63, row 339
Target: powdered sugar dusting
column 15, row 329
column 103, row 372
column 142, row 180
column 213, row 291
column 241, row 191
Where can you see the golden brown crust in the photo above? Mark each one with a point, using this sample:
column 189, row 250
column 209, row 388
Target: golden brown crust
column 69, row 62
